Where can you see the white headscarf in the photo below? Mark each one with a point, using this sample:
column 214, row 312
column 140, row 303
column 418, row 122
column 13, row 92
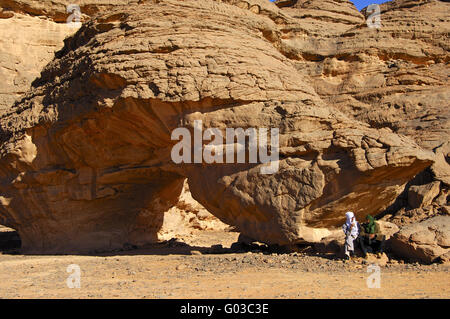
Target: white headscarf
column 349, row 216
column 348, row 223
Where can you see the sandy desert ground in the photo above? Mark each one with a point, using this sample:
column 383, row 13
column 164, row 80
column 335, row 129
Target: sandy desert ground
column 189, row 268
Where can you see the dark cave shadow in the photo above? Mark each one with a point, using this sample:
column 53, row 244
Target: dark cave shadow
column 422, row 178
column 174, row 247
column 10, row 244
column 9, row 241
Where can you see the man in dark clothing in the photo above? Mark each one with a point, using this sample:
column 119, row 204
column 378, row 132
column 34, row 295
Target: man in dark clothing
column 370, row 238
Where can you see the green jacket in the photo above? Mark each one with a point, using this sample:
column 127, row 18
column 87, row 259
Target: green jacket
column 372, row 228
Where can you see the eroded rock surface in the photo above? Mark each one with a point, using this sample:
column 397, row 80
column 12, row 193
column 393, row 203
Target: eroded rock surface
column 85, row 157
column 187, row 218
column 31, row 32
column 27, row 44
column 395, row 76
column 426, row 241
column 419, row 196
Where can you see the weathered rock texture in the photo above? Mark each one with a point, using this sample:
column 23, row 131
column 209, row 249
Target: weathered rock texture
column 187, row 218
column 85, row 157
column 423, row 195
column 31, row 32
column 426, row 241
column 56, row 10
column 395, row 76
column 27, row 44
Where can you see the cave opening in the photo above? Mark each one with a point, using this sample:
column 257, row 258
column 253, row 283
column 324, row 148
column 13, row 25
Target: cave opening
column 9, row 240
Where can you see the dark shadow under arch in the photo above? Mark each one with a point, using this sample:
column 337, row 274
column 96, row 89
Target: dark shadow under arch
column 9, row 239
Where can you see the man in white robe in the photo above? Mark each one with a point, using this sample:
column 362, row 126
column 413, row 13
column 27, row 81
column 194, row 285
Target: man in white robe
column 351, row 230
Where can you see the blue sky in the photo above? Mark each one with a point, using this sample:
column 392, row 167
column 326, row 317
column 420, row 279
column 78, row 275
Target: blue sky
column 360, row 4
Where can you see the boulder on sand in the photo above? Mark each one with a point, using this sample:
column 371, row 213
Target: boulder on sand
column 426, row 241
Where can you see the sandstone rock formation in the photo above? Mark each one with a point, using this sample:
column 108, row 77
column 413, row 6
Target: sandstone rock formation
column 27, row 44
column 419, row 196
column 395, row 76
column 388, row 229
column 56, row 10
column 31, row 32
column 85, row 157
column 187, row 218
column 426, row 241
